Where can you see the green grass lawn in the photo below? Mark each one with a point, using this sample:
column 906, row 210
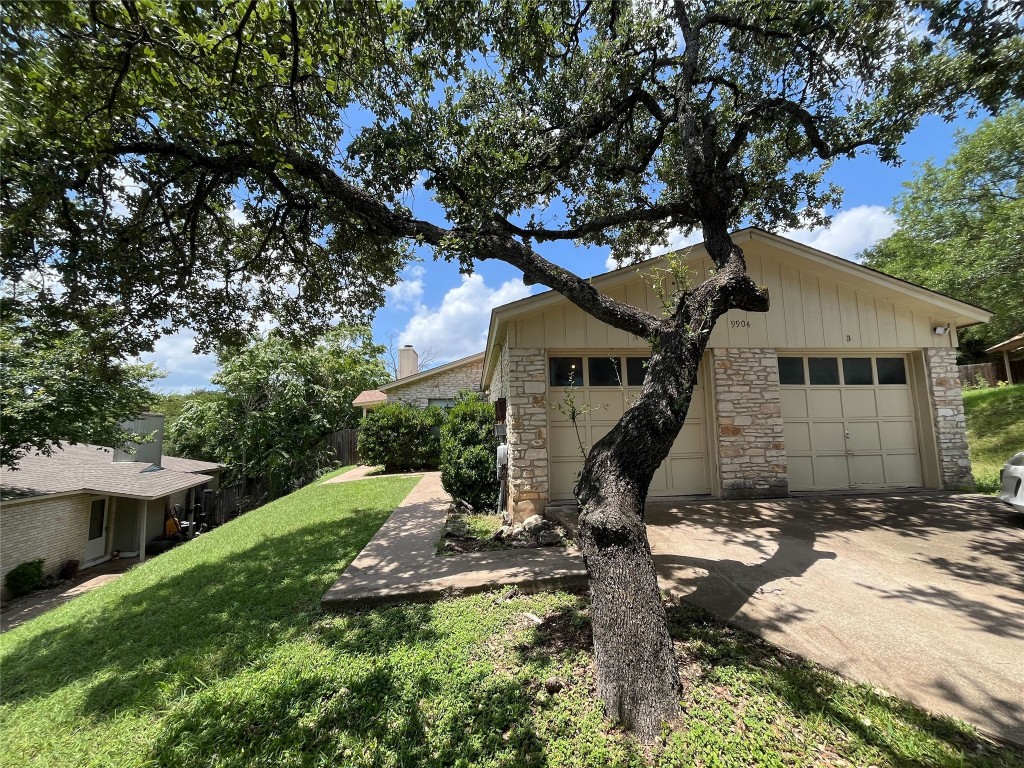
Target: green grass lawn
column 215, row 654
column 995, row 430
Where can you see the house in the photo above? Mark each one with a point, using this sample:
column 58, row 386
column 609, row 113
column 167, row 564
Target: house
column 849, row 382
column 437, row 386
column 84, row 501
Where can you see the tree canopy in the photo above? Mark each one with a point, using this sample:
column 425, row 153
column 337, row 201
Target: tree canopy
column 276, row 403
column 59, row 386
column 211, row 165
column 960, row 226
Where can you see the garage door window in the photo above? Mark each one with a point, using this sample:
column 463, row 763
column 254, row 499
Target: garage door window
column 604, row 371
column 566, row 371
column 791, row 371
column 857, row 372
column 891, row 370
column 823, row 370
column 636, row 370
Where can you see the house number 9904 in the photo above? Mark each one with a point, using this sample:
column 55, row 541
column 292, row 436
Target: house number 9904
column 739, row 323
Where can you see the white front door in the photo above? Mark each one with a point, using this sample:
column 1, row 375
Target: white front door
column 96, row 547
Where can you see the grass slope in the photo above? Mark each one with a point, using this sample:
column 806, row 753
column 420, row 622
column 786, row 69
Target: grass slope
column 995, row 430
column 215, row 654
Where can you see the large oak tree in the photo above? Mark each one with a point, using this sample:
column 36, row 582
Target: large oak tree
column 137, row 128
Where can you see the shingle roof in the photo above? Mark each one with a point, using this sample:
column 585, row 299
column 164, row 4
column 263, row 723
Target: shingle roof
column 370, row 397
column 178, row 464
column 91, row 469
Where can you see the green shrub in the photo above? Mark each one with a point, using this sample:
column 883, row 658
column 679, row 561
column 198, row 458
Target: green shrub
column 24, row 578
column 401, row 437
column 468, row 448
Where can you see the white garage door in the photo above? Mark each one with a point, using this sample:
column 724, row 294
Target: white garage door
column 601, row 387
column 849, row 422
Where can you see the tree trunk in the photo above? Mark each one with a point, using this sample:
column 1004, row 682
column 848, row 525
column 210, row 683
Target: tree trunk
column 637, row 675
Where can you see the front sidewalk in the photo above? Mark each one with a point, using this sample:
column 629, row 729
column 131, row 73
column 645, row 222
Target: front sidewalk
column 401, row 563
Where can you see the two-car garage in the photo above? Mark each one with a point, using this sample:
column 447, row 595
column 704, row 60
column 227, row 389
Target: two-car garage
column 849, row 422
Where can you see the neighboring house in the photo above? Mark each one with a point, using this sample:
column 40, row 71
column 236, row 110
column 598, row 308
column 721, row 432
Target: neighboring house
column 849, row 382
column 84, row 501
column 1011, row 353
column 437, row 386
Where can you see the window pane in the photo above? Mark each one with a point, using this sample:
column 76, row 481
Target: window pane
column 791, row 370
column 605, row 371
column 566, row 371
column 96, row 519
column 857, row 371
column 823, row 370
column 891, row 370
column 636, row 370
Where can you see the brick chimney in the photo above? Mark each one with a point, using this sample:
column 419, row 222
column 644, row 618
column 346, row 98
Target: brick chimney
column 408, row 361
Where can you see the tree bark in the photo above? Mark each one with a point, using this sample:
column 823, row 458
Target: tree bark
column 637, row 674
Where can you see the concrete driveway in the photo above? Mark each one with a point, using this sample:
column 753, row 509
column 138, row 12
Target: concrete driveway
column 919, row 594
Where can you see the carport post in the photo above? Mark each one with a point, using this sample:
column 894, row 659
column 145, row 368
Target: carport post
column 1006, row 362
column 143, row 514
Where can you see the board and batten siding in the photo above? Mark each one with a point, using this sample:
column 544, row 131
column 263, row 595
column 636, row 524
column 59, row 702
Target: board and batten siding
column 810, row 309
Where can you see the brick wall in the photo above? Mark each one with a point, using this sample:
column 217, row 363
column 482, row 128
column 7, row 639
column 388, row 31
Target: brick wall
column 751, row 452
column 947, row 407
column 54, row 530
column 527, row 432
column 442, row 386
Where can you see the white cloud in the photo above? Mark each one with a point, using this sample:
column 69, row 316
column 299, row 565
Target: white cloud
column 849, row 233
column 458, row 327
column 185, row 370
column 406, row 293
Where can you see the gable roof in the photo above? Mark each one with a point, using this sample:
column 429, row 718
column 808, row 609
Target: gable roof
column 961, row 313
column 84, row 468
column 422, row 375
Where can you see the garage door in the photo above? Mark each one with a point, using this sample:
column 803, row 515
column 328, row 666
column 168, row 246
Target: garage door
column 600, row 387
column 849, row 423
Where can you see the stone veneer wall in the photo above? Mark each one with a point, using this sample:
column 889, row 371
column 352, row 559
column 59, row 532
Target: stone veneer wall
column 444, row 386
column 527, row 431
column 751, row 451
column 947, row 406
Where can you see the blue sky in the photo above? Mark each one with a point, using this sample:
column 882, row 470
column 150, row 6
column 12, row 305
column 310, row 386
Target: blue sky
column 434, row 307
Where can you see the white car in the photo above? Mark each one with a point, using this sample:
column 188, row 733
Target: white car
column 1011, row 480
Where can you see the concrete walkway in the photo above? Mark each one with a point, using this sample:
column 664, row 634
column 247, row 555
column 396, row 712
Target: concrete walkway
column 920, row 594
column 18, row 611
column 400, row 563
column 357, row 473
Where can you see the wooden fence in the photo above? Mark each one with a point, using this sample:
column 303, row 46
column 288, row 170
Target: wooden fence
column 987, row 371
column 344, row 444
